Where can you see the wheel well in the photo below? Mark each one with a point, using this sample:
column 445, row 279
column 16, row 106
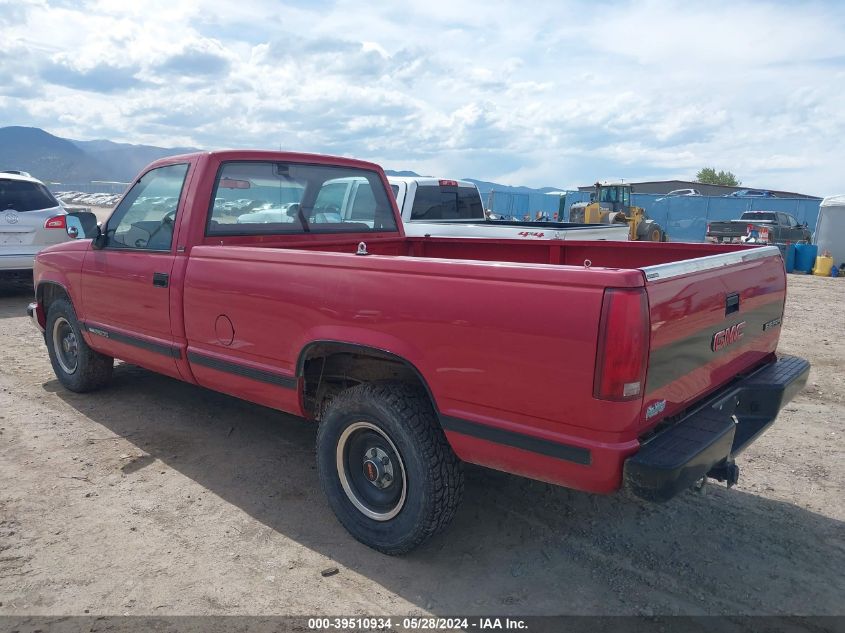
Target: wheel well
column 329, row 368
column 48, row 292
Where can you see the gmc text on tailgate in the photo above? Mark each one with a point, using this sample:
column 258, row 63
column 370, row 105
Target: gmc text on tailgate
column 592, row 365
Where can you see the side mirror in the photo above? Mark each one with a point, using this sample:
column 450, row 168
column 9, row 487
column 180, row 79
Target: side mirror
column 81, row 224
column 74, row 228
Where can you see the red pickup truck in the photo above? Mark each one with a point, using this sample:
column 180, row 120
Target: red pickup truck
column 593, row 365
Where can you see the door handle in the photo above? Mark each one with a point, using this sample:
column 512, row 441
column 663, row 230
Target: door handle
column 161, row 280
column 732, row 303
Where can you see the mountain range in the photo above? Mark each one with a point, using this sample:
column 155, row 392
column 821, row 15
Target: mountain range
column 58, row 160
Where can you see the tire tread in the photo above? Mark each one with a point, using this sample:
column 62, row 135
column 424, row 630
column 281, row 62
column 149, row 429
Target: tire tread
column 446, row 484
column 94, row 370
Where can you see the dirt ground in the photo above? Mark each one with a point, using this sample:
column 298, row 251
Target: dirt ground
column 154, row 497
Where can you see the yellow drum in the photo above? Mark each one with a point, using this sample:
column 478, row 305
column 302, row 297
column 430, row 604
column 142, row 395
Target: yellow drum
column 823, row 266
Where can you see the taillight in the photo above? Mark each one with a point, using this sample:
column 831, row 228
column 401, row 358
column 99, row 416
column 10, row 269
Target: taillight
column 56, row 222
column 448, row 183
column 622, row 351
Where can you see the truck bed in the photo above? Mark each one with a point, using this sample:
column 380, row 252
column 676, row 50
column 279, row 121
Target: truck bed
column 571, row 252
column 530, row 310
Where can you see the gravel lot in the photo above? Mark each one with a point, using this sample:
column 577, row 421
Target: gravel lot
column 155, row 497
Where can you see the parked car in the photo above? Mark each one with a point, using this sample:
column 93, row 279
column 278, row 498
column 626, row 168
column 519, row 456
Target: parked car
column 30, row 219
column 762, row 227
column 750, row 193
column 453, row 208
column 679, row 193
column 594, row 365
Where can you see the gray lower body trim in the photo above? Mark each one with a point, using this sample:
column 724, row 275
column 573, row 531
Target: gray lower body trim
column 159, row 348
column 513, row 439
column 242, row 370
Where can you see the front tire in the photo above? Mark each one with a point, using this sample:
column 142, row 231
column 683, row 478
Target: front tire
column 650, row 231
column 385, row 466
column 78, row 367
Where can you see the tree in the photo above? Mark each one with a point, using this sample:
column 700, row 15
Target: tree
column 710, row 176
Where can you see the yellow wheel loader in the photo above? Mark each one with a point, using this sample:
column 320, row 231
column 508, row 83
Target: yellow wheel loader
column 611, row 204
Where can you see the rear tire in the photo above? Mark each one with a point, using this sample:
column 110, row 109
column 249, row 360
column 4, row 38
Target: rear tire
column 78, row 367
column 385, row 466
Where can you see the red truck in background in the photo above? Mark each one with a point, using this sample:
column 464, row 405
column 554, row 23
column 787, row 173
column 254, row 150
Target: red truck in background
column 592, row 365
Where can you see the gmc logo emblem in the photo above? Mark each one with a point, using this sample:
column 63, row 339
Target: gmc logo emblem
column 728, row 336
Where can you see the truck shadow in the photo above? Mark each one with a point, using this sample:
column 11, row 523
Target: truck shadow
column 14, row 297
column 517, row 546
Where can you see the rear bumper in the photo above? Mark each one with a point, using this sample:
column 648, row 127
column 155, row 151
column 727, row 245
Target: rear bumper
column 16, row 262
column 705, row 441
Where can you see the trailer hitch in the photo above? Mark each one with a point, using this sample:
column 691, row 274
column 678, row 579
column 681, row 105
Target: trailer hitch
column 727, row 471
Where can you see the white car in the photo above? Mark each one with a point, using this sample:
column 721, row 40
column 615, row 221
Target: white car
column 440, row 207
column 30, row 219
column 679, row 193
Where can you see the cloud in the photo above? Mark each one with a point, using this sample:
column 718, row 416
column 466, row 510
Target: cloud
column 194, row 61
column 551, row 94
column 102, row 77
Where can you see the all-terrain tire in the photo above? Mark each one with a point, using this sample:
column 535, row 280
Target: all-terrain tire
column 402, row 418
column 92, row 370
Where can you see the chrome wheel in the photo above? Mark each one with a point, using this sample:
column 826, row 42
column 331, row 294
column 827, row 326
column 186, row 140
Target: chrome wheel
column 66, row 345
column 371, row 471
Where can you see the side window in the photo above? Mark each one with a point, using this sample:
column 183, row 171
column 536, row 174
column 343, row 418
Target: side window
column 626, row 197
column 364, row 203
column 792, row 221
column 783, row 219
column 147, row 214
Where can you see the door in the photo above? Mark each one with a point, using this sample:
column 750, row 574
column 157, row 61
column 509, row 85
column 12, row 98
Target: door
column 796, row 231
column 126, row 284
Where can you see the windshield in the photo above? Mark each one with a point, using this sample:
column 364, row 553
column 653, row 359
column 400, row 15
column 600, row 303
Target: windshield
column 23, row 195
column 608, row 194
column 433, row 202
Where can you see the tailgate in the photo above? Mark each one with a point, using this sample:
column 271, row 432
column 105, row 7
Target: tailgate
column 712, row 318
column 727, row 229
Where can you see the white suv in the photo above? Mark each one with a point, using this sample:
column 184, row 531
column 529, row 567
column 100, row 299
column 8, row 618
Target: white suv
column 30, row 219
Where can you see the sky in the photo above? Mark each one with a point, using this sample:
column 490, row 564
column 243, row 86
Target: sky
column 522, row 93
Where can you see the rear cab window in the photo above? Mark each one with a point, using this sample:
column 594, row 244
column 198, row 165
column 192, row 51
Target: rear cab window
column 25, row 195
column 266, row 198
column 439, row 202
column 759, row 217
